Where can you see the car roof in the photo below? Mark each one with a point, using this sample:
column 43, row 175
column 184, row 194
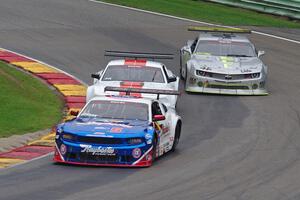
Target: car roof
column 123, row 99
column 148, row 62
column 220, row 36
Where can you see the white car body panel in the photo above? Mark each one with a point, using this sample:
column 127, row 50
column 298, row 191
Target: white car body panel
column 97, row 89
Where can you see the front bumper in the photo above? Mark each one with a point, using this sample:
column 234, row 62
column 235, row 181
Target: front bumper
column 76, row 154
column 213, row 86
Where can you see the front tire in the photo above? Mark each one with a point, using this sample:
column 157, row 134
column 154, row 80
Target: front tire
column 183, row 76
column 154, row 143
column 177, row 136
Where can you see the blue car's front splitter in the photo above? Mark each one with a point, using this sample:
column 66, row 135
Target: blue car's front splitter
column 96, row 155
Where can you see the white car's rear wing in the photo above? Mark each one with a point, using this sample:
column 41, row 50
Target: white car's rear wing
column 207, row 29
column 138, row 90
column 136, row 55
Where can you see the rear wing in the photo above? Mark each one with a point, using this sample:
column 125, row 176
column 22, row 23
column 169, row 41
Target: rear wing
column 136, row 55
column 207, row 29
column 145, row 91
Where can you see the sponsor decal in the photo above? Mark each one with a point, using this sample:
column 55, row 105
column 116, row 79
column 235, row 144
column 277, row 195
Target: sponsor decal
column 227, row 61
column 59, row 130
column 161, row 151
column 99, row 128
column 63, row 149
column 99, row 133
column 116, row 130
column 204, row 67
column 149, row 141
column 166, row 146
column 98, row 150
column 148, row 157
column 136, row 153
column 246, row 70
column 165, row 129
column 148, row 136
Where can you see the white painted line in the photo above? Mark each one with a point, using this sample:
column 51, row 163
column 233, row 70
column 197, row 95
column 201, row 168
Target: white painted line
column 82, row 82
column 194, row 21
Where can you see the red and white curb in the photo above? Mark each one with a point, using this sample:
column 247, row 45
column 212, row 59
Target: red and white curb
column 73, row 90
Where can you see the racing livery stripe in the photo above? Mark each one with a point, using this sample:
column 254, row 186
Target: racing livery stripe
column 129, row 84
column 137, row 63
column 143, row 156
column 74, row 96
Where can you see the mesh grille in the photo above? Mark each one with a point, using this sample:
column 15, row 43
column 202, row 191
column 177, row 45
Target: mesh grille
column 100, row 140
column 229, row 87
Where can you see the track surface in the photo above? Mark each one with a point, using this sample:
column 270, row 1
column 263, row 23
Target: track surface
column 231, row 147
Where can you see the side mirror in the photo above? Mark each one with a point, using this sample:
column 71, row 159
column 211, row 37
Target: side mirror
column 74, row 113
column 157, row 118
column 172, row 79
column 260, row 53
column 96, row 76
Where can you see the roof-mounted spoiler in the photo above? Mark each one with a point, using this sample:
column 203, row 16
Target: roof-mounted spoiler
column 136, row 55
column 218, row 29
column 137, row 90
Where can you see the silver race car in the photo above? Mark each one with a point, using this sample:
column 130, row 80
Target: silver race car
column 221, row 61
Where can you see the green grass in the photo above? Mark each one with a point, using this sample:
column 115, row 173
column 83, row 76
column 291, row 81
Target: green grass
column 209, row 12
column 26, row 104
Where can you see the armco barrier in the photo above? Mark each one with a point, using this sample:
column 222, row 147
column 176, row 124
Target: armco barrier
column 288, row 8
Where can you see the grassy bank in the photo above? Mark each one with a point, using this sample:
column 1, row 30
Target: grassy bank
column 209, row 12
column 27, row 105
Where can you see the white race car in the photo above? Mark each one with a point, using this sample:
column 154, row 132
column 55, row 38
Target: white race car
column 135, row 72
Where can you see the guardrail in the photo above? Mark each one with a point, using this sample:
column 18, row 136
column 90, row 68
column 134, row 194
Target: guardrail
column 288, row 8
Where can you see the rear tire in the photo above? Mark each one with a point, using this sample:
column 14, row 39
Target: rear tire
column 177, row 136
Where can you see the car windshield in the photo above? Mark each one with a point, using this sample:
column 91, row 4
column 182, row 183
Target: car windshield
column 116, row 110
column 225, row 48
column 133, row 73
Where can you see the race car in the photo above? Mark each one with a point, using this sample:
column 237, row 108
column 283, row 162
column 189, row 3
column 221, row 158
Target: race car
column 135, row 71
column 125, row 131
column 221, row 61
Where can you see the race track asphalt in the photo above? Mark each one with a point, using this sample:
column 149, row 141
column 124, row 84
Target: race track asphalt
column 232, row 148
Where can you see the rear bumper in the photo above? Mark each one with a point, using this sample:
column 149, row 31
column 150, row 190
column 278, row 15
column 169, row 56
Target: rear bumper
column 75, row 156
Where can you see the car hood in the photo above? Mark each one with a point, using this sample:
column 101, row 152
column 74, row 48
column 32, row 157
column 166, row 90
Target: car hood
column 99, row 88
column 227, row 65
column 103, row 128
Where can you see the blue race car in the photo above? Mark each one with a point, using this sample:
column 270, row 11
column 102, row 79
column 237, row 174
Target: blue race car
column 119, row 131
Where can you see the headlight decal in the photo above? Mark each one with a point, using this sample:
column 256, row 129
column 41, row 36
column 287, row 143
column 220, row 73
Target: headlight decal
column 69, row 137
